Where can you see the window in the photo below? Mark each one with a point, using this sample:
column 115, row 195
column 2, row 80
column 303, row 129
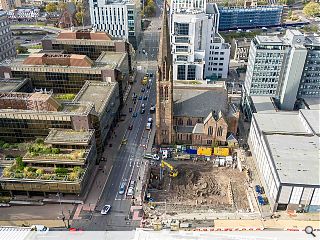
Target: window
column 191, row 72
column 182, row 39
column 181, row 75
column 181, row 28
column 210, row 130
column 189, row 122
column 180, row 121
column 220, row 131
column 181, row 48
column 182, row 58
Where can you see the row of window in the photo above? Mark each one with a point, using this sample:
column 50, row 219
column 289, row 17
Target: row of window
column 216, row 58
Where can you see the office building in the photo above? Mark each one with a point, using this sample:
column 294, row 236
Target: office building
column 91, row 44
column 67, row 73
column 7, row 48
column 199, row 52
column 120, row 18
column 252, row 17
column 15, row 85
column 285, row 147
column 285, row 68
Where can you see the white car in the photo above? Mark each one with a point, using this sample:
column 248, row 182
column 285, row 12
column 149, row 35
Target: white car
column 130, row 191
column 156, row 157
column 105, row 209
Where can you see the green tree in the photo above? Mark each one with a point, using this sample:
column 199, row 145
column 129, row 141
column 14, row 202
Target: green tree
column 51, row 7
column 312, row 9
column 62, row 6
column 79, row 17
column 20, row 49
column 290, row 13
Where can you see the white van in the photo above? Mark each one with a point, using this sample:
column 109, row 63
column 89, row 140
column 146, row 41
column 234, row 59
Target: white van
column 148, row 127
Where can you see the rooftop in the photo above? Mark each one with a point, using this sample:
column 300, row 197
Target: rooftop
column 302, row 167
column 98, row 93
column 80, row 34
column 198, row 128
column 281, row 123
column 273, row 40
column 263, row 104
column 11, row 85
column 198, row 100
column 111, row 58
column 67, row 136
column 313, row 119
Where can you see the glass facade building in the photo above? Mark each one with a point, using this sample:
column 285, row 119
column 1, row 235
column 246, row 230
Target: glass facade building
column 264, row 16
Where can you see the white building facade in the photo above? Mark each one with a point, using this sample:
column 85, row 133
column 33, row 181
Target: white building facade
column 120, row 18
column 199, row 52
column 285, row 68
column 285, row 148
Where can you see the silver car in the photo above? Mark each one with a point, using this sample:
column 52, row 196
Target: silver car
column 105, row 209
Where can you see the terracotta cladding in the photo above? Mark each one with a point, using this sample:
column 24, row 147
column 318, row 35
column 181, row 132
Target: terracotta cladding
column 63, row 60
column 84, row 35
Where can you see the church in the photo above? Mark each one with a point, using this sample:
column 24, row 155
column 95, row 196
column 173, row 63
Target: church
column 190, row 112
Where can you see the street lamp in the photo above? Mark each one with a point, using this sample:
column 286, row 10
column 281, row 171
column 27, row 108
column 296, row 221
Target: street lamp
column 63, row 217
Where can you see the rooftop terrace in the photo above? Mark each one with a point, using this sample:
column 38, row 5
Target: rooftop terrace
column 67, row 136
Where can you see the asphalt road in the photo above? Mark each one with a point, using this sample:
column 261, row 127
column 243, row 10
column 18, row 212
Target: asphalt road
column 129, row 157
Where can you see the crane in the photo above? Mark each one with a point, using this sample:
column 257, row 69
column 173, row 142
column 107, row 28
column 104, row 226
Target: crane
column 173, row 171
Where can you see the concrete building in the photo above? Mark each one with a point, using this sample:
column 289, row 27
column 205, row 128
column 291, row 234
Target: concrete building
column 199, row 52
column 91, row 44
column 252, row 17
column 15, row 85
column 285, row 68
column 73, row 153
column 240, row 49
column 285, row 146
column 25, row 116
column 67, row 73
column 7, row 48
column 9, row 4
column 120, row 18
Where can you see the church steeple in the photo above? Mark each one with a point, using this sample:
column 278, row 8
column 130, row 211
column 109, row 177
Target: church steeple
column 164, row 107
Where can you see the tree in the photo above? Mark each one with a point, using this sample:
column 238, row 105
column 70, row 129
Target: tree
column 62, row 6
column 21, row 49
column 312, row 9
column 51, row 7
column 79, row 17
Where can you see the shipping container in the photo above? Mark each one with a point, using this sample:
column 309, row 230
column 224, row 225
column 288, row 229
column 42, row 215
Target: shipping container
column 204, row 151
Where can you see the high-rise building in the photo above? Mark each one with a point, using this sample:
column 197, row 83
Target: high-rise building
column 285, row 68
column 7, row 48
column 199, row 52
column 119, row 18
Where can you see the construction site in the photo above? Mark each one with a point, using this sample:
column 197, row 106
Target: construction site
column 195, row 187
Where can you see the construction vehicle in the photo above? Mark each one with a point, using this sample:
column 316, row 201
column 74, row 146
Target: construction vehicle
column 173, row 171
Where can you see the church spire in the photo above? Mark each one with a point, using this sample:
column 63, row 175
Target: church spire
column 165, row 56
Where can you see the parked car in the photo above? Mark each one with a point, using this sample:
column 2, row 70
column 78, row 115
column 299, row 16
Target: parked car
column 122, row 188
column 142, row 111
column 143, row 90
column 152, row 109
column 134, row 114
column 156, row 157
column 130, row 127
column 140, row 98
column 130, row 191
column 130, row 110
column 261, row 200
column 105, row 209
column 258, row 189
column 145, row 98
column 148, row 86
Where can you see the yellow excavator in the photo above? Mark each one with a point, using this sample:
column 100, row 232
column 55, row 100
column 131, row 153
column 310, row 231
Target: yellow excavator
column 173, row 171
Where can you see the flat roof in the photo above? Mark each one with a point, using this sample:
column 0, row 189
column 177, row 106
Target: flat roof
column 274, row 40
column 263, row 104
column 11, row 85
column 98, row 93
column 111, row 58
column 296, row 158
column 313, row 119
column 281, row 122
column 15, row 233
column 313, row 102
column 65, row 136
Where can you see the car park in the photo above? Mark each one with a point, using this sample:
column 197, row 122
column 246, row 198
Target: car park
column 105, row 209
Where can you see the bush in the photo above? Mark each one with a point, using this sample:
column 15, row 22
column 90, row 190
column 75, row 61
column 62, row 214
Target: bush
column 19, row 175
column 76, row 169
column 55, row 150
column 40, row 171
column 2, row 143
column 39, row 141
column 6, row 172
column 20, row 165
column 61, row 171
column 6, row 145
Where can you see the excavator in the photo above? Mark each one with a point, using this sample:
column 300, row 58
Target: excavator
column 173, row 171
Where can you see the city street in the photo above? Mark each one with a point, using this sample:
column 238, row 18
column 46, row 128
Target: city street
column 129, row 155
